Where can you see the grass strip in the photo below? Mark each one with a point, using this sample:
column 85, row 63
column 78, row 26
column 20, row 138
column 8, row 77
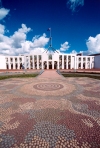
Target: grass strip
column 81, row 75
column 18, row 76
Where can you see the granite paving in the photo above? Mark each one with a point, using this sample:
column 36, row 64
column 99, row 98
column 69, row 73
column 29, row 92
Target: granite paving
column 50, row 111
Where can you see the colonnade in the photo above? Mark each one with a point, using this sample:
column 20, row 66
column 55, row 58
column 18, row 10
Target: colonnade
column 64, row 61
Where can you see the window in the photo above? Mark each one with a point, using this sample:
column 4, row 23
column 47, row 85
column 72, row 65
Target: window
column 50, row 57
column 35, row 57
column 11, row 59
column 20, row 59
column 39, row 57
column 60, row 57
column 6, row 59
column 15, row 59
column 64, row 58
column 30, row 58
column 69, row 58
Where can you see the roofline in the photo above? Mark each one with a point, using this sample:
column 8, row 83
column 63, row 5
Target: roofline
column 96, row 54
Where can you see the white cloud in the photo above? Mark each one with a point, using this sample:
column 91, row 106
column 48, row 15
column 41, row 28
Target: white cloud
column 74, row 52
column 37, row 50
column 20, row 36
column 65, row 46
column 73, row 4
column 18, row 43
column 93, row 45
column 3, row 13
column 2, row 29
column 40, row 41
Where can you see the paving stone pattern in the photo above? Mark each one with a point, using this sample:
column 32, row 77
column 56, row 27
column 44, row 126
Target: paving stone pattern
column 50, row 111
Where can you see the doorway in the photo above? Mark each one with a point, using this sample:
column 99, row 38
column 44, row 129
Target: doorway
column 16, row 66
column 83, row 65
column 11, row 66
column 20, row 65
column 45, row 64
column 7, row 66
column 50, row 65
column 55, row 64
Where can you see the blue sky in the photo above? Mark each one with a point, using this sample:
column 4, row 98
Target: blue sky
column 75, row 26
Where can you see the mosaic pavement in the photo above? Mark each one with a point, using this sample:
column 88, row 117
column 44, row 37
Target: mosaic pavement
column 50, row 113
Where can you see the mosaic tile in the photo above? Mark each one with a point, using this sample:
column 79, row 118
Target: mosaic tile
column 50, row 112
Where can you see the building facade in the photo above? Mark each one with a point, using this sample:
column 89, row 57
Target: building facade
column 47, row 61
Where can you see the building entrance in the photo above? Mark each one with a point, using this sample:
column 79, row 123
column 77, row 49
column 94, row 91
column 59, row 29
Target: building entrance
column 50, row 65
column 55, row 64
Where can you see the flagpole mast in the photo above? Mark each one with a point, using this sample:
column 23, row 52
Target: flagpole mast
column 50, row 39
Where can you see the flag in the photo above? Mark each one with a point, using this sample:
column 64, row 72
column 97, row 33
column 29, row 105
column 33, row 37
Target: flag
column 48, row 29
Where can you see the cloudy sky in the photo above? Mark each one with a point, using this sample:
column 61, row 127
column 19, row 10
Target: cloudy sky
column 75, row 26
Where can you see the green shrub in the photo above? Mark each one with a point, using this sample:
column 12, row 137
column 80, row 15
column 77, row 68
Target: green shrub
column 82, row 75
column 18, row 76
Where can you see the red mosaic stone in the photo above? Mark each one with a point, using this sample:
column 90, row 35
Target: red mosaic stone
column 23, row 100
column 23, row 128
column 83, row 132
column 48, row 86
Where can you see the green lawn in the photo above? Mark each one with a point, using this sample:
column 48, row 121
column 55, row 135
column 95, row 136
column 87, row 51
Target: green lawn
column 18, row 76
column 81, row 75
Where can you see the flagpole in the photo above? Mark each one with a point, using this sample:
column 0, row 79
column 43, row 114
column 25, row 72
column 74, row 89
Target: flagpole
column 50, row 39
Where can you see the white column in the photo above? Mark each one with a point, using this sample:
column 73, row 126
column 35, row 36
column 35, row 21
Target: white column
column 67, row 62
column 29, row 61
column 76, row 62
column 90, row 62
column 37, row 61
column 33, row 61
column 71, row 62
column 13, row 63
column 62, row 61
column 47, row 64
column 9, row 62
column 86, row 63
column 24, row 62
column 10, row 66
column 52, row 64
column 18, row 63
column 75, row 67
column 58, row 63
column 81, row 62
column 42, row 61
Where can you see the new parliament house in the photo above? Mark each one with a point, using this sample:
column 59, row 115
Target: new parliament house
column 49, row 60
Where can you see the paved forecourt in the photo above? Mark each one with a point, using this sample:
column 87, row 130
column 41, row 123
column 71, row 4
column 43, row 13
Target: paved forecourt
column 50, row 111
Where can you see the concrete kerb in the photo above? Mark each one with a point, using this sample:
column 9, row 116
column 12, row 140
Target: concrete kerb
column 41, row 71
column 58, row 72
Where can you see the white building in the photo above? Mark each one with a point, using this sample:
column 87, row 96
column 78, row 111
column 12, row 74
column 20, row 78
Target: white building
column 97, row 60
column 47, row 61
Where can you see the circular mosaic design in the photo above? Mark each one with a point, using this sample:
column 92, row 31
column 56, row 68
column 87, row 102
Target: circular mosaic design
column 48, row 86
